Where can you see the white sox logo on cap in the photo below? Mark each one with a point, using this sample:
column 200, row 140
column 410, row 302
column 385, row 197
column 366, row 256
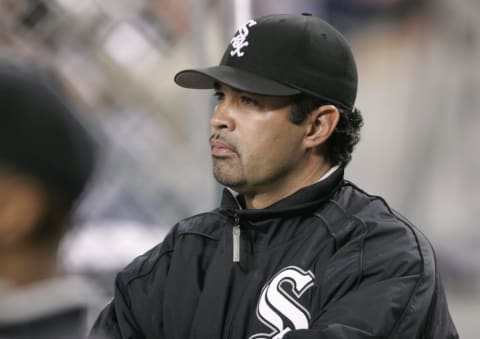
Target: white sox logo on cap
column 239, row 40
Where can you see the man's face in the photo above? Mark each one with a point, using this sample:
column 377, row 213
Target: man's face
column 23, row 202
column 255, row 147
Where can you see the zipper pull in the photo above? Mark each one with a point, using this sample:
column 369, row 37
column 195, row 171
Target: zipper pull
column 236, row 239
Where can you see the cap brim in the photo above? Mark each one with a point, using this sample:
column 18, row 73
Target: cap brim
column 207, row 77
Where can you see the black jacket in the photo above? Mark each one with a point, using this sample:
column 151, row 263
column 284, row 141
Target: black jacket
column 329, row 261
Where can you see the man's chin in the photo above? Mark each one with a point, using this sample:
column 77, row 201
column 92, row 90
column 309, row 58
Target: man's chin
column 230, row 181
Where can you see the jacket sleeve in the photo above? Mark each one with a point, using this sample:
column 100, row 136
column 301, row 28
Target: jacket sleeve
column 381, row 283
column 136, row 310
column 115, row 321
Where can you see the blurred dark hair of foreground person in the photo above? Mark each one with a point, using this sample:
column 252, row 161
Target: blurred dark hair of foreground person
column 47, row 157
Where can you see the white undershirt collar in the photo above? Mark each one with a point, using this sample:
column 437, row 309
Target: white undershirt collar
column 329, row 173
column 325, row 176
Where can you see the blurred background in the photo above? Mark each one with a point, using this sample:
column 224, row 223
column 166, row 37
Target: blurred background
column 419, row 91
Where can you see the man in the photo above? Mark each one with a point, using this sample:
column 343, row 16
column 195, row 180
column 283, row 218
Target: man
column 294, row 251
column 46, row 159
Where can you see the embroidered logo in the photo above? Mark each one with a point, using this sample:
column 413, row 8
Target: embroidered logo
column 278, row 301
column 239, row 41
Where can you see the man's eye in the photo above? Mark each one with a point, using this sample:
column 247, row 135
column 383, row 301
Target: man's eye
column 249, row 100
column 218, row 95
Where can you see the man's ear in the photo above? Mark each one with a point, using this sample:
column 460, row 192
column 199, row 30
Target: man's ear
column 321, row 124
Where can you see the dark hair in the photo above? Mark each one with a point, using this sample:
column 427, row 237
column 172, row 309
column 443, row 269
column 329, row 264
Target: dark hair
column 54, row 222
column 43, row 137
column 42, row 131
column 339, row 146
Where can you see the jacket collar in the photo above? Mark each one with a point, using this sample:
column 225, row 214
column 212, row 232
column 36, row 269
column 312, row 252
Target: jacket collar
column 309, row 197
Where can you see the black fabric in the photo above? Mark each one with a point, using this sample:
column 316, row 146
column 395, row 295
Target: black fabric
column 40, row 132
column 329, row 262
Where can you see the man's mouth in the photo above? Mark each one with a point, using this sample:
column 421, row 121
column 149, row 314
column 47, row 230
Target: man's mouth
column 220, row 148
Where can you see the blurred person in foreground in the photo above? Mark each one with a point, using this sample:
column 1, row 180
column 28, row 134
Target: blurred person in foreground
column 295, row 250
column 46, row 159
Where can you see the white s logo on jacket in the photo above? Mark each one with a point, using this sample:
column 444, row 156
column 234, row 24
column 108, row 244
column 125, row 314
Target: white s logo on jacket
column 276, row 300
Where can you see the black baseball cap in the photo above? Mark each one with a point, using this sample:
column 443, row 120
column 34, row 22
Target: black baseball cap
column 284, row 55
column 41, row 134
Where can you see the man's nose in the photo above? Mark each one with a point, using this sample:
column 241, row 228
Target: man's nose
column 222, row 118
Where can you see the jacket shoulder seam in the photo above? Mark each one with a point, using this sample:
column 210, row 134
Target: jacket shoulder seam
column 361, row 240
column 180, row 233
column 149, row 271
column 423, row 274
